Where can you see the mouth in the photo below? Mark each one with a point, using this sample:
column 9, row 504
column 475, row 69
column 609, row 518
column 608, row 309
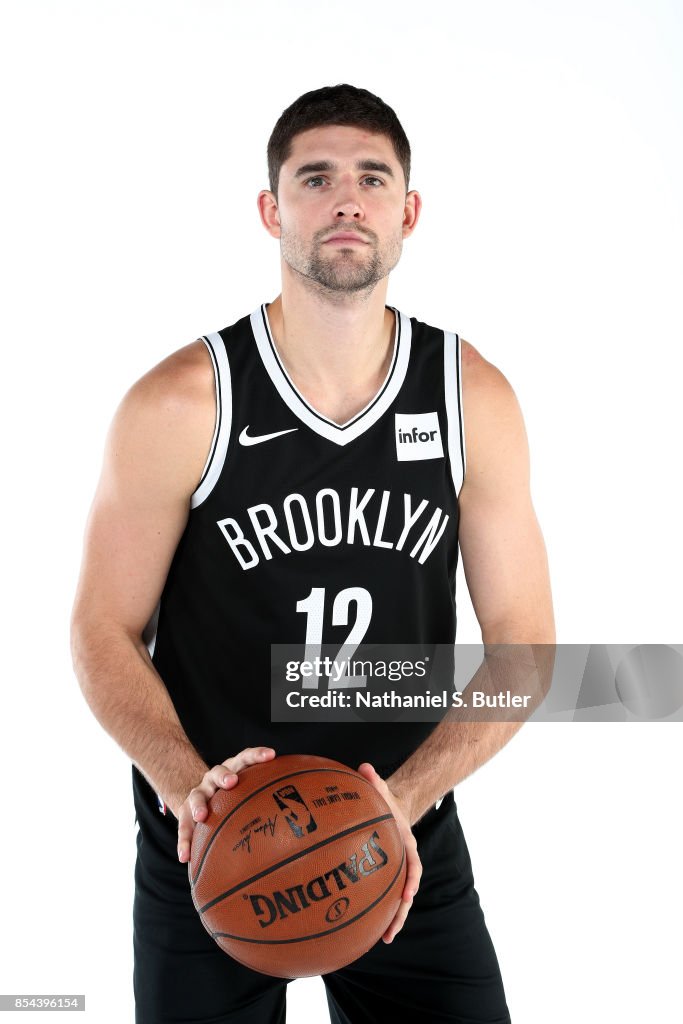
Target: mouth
column 346, row 239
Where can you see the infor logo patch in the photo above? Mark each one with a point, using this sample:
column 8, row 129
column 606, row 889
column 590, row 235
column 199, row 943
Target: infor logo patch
column 418, row 437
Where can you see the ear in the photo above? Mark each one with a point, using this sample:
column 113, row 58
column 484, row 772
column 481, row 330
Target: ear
column 411, row 212
column 269, row 212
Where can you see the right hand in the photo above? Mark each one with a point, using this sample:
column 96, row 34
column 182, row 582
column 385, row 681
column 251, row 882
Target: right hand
column 223, row 776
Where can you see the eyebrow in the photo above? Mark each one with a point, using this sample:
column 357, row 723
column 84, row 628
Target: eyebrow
column 328, row 165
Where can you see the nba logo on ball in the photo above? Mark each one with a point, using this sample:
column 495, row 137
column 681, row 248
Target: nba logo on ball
column 418, row 437
column 297, row 814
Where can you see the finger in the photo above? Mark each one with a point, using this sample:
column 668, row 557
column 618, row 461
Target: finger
column 199, row 797
column 411, row 886
column 368, row 772
column 398, row 922
column 185, row 831
column 196, row 806
column 221, row 777
column 413, row 874
column 216, row 778
column 252, row 755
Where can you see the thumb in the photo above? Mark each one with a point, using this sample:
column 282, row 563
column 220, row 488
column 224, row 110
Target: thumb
column 370, row 774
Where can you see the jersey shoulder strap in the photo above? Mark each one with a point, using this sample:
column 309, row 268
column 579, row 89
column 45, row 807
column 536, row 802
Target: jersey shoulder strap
column 452, row 364
column 221, row 434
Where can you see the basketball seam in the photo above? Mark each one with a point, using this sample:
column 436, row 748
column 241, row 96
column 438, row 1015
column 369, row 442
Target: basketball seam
column 317, row 935
column 290, row 860
column 272, row 782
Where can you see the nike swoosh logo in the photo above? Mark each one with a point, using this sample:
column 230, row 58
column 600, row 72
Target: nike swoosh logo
column 247, row 439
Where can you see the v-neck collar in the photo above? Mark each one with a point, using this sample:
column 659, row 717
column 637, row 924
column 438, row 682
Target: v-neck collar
column 340, row 433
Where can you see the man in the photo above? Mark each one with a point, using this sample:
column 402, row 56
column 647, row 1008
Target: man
column 255, row 491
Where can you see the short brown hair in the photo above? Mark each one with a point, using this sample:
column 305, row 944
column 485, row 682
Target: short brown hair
column 335, row 104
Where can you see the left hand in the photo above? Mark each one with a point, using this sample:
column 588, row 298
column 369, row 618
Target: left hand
column 414, row 867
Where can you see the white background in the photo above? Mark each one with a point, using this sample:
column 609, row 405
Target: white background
column 547, row 147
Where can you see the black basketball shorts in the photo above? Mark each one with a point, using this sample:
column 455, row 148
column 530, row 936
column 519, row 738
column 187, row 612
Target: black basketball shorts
column 441, row 967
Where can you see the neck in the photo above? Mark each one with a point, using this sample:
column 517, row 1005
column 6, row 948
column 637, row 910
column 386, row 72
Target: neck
column 336, row 344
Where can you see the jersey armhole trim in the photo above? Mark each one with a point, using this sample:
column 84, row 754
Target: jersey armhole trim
column 221, row 434
column 454, row 408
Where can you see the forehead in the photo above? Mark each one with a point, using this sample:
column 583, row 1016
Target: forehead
column 340, row 141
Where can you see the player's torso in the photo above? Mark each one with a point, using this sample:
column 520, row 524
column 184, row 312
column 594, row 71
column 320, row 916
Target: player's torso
column 308, row 532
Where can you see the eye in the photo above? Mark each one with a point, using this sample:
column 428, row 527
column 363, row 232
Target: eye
column 315, row 181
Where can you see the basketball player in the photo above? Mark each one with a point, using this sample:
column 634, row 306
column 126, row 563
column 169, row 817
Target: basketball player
column 313, row 466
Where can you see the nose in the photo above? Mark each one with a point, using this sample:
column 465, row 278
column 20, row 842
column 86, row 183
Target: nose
column 347, row 201
column 349, row 209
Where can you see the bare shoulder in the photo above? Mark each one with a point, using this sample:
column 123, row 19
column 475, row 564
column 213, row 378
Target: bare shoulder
column 165, row 422
column 154, row 456
column 183, row 379
column 495, row 436
column 478, row 372
column 485, row 388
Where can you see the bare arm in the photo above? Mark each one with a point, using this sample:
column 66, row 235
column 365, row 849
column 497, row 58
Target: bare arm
column 154, row 456
column 506, row 568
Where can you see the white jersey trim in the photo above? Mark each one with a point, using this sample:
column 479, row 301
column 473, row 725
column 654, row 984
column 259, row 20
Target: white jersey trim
column 339, row 433
column 454, row 408
column 149, row 633
column 221, row 434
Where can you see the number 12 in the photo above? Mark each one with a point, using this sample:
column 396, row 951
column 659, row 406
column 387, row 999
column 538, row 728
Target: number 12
column 314, row 608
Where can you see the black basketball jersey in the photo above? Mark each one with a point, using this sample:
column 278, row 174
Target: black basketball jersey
column 302, row 530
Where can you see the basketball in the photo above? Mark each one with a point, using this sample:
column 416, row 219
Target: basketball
column 299, row 869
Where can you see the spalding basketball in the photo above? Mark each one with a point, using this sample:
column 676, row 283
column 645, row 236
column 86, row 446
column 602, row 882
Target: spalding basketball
column 299, row 869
